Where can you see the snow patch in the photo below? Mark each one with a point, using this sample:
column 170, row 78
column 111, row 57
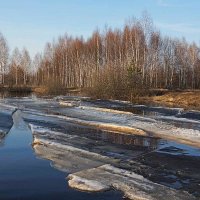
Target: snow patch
column 100, row 125
column 173, row 118
column 105, row 110
column 69, row 103
column 86, row 185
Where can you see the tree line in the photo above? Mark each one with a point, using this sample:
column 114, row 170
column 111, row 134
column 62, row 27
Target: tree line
column 113, row 62
column 15, row 69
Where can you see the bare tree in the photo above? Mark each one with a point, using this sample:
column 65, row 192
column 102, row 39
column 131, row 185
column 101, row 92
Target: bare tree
column 117, row 62
column 15, row 64
column 4, row 53
column 25, row 65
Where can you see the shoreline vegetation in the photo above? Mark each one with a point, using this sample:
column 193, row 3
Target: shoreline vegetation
column 187, row 99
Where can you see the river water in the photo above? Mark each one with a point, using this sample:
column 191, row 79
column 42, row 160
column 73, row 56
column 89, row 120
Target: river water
column 27, row 172
column 24, row 175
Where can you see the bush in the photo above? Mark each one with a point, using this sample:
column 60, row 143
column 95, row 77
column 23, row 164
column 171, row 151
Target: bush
column 55, row 87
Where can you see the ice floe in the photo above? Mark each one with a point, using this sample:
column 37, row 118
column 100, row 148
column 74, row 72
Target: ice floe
column 83, row 184
column 39, row 139
column 64, row 159
column 69, row 103
column 116, row 120
column 136, row 125
column 132, row 185
column 105, row 110
column 91, row 172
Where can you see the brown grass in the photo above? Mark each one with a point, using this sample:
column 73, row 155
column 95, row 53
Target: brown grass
column 40, row 90
column 187, row 99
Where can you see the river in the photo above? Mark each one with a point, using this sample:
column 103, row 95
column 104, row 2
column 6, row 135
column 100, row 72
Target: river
column 52, row 138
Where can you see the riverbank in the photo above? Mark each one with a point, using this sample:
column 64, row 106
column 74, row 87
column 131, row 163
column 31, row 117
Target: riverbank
column 185, row 99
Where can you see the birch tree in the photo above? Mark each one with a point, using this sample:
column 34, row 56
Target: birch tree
column 25, row 65
column 4, row 54
column 15, row 63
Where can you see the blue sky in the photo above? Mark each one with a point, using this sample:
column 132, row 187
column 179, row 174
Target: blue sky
column 32, row 23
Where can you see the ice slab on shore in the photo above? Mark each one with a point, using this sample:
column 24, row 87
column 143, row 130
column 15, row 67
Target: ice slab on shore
column 133, row 185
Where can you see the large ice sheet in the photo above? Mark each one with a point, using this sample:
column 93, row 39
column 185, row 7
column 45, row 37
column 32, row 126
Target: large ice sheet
column 130, row 124
column 133, row 185
column 96, row 174
column 115, row 120
column 79, row 145
column 65, row 158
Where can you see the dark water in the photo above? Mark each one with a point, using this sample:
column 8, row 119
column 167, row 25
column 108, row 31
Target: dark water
column 25, row 176
column 6, row 94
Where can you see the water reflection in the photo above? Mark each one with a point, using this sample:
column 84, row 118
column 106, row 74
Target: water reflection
column 126, row 140
column 2, row 138
column 8, row 94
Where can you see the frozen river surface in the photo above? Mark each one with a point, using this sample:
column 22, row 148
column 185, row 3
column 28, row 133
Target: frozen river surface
column 56, row 148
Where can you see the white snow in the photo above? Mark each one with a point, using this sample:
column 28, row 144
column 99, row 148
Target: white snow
column 104, row 110
column 69, row 103
column 173, row 118
column 120, row 101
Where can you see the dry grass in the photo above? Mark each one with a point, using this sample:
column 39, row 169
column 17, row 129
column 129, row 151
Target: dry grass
column 187, row 99
column 40, row 90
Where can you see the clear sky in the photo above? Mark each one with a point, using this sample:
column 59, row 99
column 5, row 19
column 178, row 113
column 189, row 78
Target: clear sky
column 32, row 23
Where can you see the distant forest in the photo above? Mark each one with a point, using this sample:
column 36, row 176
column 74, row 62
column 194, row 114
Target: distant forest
column 117, row 62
